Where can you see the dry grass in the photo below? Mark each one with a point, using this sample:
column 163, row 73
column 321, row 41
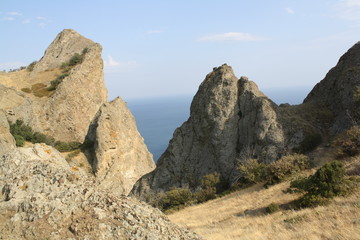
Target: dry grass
column 241, row 215
column 32, row 85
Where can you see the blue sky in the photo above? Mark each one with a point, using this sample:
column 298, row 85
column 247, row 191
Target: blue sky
column 162, row 48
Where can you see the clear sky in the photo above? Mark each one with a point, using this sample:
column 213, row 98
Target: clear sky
column 160, row 48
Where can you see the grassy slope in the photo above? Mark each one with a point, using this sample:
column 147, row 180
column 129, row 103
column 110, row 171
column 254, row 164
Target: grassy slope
column 241, row 215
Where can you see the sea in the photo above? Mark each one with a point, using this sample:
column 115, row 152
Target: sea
column 158, row 117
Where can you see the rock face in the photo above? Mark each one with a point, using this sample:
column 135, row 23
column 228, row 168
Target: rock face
column 43, row 197
column 121, row 156
column 229, row 117
column 336, row 91
column 7, row 142
column 64, row 46
column 68, row 111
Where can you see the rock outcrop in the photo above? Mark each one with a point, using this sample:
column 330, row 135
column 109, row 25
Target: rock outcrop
column 7, row 142
column 229, row 118
column 66, row 112
column 43, row 197
column 120, row 154
column 336, row 91
column 64, row 46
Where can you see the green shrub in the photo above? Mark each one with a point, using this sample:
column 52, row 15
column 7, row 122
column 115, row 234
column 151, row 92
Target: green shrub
column 175, row 197
column 18, row 128
column 20, row 141
column 26, row 90
column 326, row 183
column 67, row 146
column 56, row 82
column 272, row 208
column 204, row 195
column 42, row 138
column 310, row 142
column 348, row 143
column 31, row 66
column 286, row 166
column 251, row 171
column 210, row 181
column 21, row 131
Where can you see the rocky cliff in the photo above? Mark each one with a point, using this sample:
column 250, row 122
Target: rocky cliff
column 231, row 121
column 229, row 118
column 118, row 148
column 337, row 91
column 45, row 195
column 67, row 111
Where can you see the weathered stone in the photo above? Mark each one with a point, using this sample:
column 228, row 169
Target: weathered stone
column 228, row 117
column 43, row 197
column 336, row 91
column 7, row 142
column 121, row 156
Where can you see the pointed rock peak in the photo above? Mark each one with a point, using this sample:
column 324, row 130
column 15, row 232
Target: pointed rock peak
column 66, row 44
column 247, row 86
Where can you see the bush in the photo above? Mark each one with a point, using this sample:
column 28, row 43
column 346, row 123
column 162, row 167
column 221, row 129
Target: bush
column 286, row 166
column 22, row 132
column 20, row 141
column 31, row 66
column 326, row 183
column 348, row 143
column 67, row 146
column 272, row 208
column 26, row 90
column 18, row 128
column 251, row 171
column 56, row 82
column 310, row 142
column 175, row 197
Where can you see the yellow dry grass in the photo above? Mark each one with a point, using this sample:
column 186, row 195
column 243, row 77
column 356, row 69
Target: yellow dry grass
column 241, row 215
column 24, row 80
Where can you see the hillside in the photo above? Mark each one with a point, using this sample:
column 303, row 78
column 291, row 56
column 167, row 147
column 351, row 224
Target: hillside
column 241, row 215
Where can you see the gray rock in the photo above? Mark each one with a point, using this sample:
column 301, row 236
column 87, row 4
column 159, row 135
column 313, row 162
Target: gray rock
column 7, row 142
column 43, row 197
column 336, row 91
column 121, row 156
column 228, row 117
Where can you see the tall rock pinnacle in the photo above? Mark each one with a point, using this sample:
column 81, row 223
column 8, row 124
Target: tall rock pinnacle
column 228, row 117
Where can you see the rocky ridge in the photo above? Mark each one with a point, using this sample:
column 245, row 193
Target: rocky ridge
column 231, row 121
column 43, row 195
column 229, row 118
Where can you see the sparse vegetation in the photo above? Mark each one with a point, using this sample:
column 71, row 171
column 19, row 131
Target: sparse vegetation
column 22, row 132
column 326, row 183
column 348, row 143
column 272, row 208
column 31, row 66
column 310, row 142
column 286, row 166
column 251, row 171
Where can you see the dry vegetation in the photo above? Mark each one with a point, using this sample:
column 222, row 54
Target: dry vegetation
column 241, row 215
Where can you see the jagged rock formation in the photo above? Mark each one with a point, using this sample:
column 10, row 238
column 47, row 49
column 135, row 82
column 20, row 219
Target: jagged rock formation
column 229, row 117
column 67, row 112
column 336, row 91
column 118, row 148
column 120, row 154
column 64, row 46
column 231, row 120
column 43, row 197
